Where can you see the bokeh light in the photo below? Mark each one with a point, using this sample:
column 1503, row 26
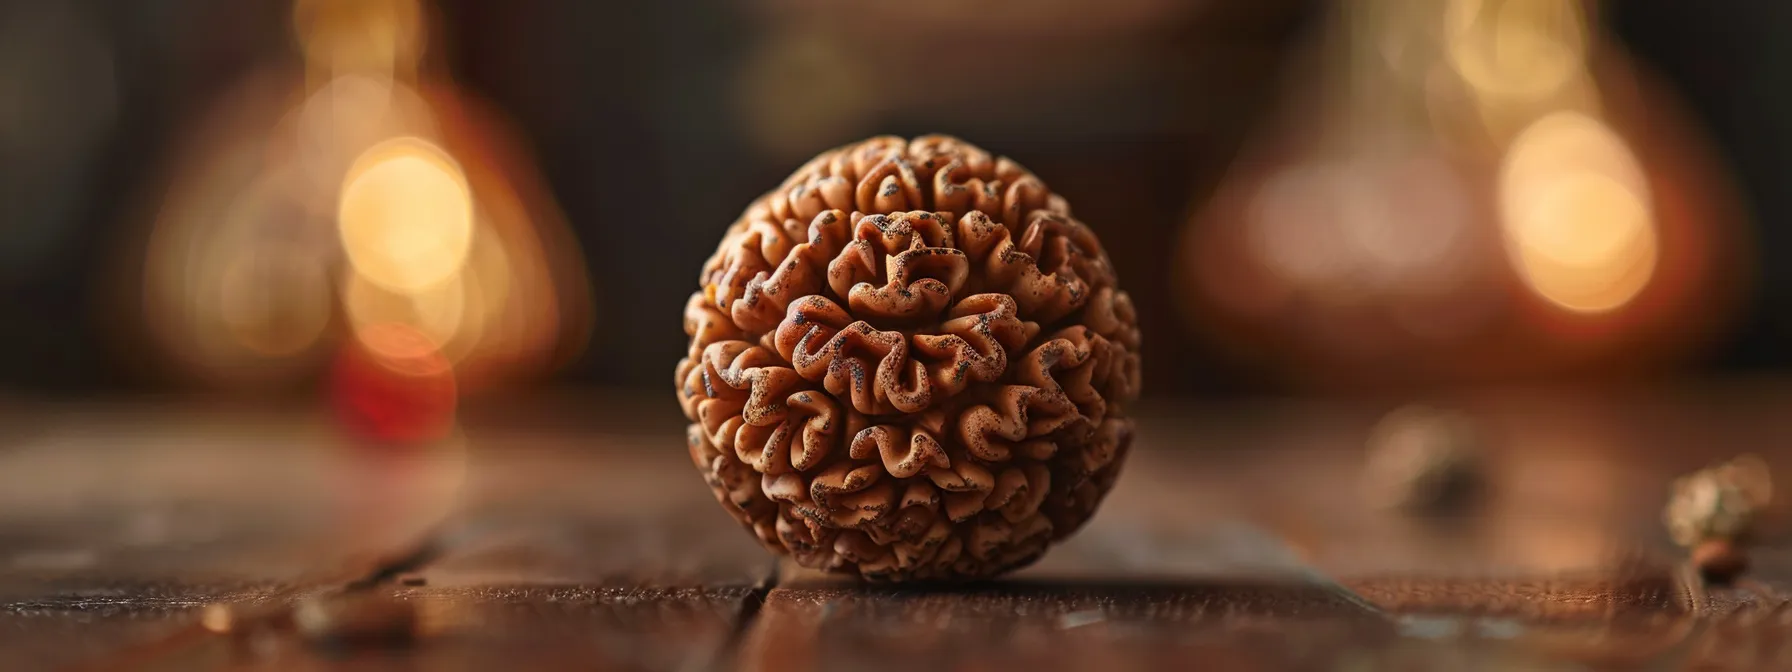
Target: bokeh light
column 345, row 117
column 1392, row 222
column 1464, row 191
column 394, row 386
column 480, row 292
column 317, row 212
column 236, row 283
column 275, row 303
column 406, row 215
column 437, row 311
column 1515, row 50
column 338, row 36
column 1576, row 214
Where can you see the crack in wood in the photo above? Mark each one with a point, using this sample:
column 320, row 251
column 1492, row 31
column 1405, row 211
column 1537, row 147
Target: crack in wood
column 744, row 620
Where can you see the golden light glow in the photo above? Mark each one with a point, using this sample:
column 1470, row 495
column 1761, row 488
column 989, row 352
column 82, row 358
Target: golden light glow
column 485, row 293
column 345, row 117
column 1502, row 64
column 382, row 36
column 1576, row 214
column 435, row 311
column 403, row 350
column 356, row 195
column 217, row 618
column 470, row 312
column 406, row 215
column 1520, row 49
column 235, row 285
column 1396, row 222
column 273, row 302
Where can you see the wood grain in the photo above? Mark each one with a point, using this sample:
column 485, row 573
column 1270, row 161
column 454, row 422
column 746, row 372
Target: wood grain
column 565, row 538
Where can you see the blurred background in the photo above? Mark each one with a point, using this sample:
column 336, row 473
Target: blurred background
column 262, row 200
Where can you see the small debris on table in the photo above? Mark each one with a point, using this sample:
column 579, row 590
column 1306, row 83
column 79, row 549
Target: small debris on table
column 1424, row 459
column 1714, row 511
column 1077, row 619
column 217, row 618
column 356, row 619
column 1720, row 560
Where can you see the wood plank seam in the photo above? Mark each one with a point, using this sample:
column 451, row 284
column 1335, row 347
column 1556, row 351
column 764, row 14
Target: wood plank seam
column 745, row 620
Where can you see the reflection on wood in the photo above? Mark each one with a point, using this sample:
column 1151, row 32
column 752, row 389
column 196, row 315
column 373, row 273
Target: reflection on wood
column 1238, row 536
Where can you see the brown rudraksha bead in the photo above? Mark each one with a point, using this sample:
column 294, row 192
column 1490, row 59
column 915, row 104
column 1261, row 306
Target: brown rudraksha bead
column 909, row 362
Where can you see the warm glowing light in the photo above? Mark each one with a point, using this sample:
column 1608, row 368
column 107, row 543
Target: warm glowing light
column 1576, row 214
column 469, row 313
column 406, row 215
column 1387, row 223
column 352, row 107
column 435, row 311
column 379, row 36
column 1407, row 218
column 484, row 296
column 217, row 618
column 395, row 387
column 274, row 302
column 235, row 283
column 1290, row 229
column 343, row 118
column 403, row 350
column 1521, row 49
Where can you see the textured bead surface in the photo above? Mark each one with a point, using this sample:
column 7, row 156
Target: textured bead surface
column 909, row 362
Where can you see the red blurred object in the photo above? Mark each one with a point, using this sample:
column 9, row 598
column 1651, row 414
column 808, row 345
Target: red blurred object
column 394, row 385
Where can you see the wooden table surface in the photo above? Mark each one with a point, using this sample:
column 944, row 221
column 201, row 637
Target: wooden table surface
column 550, row 535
